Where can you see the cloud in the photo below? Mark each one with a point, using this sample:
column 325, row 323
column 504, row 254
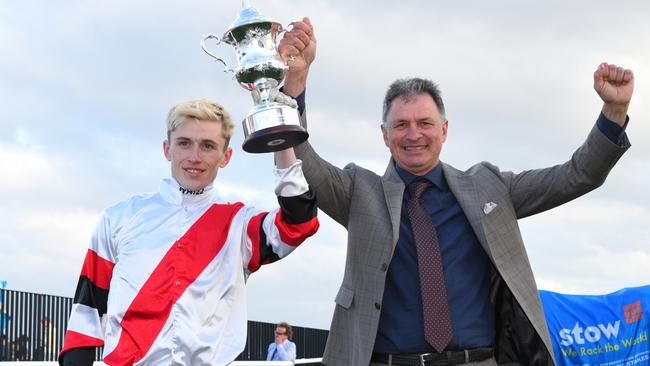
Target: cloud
column 590, row 246
column 37, row 233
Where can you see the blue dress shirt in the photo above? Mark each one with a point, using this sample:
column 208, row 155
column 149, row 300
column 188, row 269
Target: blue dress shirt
column 467, row 276
column 465, row 264
column 281, row 352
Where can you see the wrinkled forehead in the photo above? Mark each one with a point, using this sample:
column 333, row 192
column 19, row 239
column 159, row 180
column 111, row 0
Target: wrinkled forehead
column 413, row 107
column 416, row 98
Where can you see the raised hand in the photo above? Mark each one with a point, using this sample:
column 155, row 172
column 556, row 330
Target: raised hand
column 298, row 49
column 615, row 86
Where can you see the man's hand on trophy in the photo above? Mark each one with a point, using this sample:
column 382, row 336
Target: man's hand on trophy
column 298, row 46
column 298, row 49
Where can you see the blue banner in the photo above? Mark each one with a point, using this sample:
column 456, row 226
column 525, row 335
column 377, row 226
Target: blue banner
column 4, row 317
column 599, row 330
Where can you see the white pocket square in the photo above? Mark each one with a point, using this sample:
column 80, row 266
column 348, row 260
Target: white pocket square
column 489, row 207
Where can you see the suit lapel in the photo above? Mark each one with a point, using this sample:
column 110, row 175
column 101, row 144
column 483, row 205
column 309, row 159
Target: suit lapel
column 464, row 189
column 393, row 193
column 462, row 186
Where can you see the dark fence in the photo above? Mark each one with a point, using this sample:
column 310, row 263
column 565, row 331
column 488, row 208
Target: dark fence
column 32, row 327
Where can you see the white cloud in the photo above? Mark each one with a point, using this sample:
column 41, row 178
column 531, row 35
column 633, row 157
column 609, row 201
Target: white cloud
column 590, row 246
column 43, row 251
column 597, row 270
column 43, row 236
column 25, row 169
column 344, row 139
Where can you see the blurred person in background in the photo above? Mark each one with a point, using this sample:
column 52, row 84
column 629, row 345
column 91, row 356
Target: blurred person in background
column 282, row 349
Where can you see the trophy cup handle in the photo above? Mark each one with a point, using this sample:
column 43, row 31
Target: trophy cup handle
column 205, row 49
column 281, row 29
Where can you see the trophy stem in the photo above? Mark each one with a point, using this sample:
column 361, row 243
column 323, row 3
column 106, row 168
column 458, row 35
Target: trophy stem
column 264, row 86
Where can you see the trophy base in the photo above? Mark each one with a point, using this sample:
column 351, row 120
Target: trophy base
column 274, row 139
column 272, row 127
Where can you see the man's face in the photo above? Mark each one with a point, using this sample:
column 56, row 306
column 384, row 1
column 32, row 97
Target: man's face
column 414, row 132
column 280, row 334
column 196, row 150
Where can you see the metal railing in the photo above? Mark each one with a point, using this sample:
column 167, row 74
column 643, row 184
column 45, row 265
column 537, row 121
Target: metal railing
column 32, row 328
column 32, row 325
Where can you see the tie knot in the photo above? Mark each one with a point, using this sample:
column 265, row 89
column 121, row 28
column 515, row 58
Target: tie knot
column 417, row 188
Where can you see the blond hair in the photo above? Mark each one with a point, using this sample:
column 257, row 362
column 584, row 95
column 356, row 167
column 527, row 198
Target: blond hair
column 200, row 109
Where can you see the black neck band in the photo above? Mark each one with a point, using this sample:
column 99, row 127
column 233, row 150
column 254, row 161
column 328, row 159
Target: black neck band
column 187, row 191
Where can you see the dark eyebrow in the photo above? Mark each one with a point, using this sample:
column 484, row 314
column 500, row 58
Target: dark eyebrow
column 209, row 141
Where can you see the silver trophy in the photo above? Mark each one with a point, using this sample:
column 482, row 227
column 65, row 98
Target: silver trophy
column 269, row 125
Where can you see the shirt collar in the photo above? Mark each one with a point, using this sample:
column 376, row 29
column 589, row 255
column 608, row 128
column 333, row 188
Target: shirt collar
column 171, row 192
column 434, row 176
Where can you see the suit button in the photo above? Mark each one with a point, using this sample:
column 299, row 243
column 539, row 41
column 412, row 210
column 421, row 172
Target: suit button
column 377, row 306
column 384, row 267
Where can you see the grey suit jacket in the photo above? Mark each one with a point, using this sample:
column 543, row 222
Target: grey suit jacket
column 369, row 207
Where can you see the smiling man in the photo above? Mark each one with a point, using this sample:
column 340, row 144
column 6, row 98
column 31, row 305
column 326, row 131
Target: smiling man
column 163, row 282
column 436, row 270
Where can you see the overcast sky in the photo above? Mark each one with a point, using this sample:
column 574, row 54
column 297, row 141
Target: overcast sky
column 85, row 87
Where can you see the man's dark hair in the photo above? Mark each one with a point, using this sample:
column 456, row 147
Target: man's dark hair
column 407, row 89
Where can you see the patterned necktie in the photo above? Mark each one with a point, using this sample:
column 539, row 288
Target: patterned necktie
column 435, row 307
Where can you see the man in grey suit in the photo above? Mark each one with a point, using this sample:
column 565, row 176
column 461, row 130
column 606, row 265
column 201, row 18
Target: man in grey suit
column 488, row 309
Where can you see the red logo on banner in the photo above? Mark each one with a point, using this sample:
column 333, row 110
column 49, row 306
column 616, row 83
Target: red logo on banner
column 633, row 312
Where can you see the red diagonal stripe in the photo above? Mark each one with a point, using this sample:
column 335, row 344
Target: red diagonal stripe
column 97, row 269
column 178, row 269
column 294, row 234
column 75, row 340
column 253, row 232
